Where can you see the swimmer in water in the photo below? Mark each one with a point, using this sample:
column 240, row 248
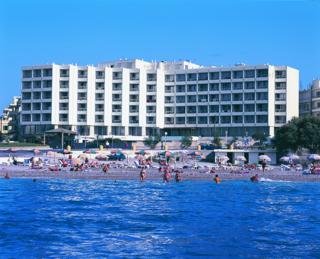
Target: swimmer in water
column 178, row 177
column 166, row 175
column 217, row 179
column 254, row 178
column 6, row 176
column 143, row 174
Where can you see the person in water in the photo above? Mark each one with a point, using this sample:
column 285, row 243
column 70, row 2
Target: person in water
column 166, row 175
column 254, row 178
column 143, row 174
column 178, row 177
column 217, row 179
column 6, row 176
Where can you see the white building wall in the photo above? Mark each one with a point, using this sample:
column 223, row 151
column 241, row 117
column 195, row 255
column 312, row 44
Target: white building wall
column 55, row 94
column 73, row 94
column 292, row 93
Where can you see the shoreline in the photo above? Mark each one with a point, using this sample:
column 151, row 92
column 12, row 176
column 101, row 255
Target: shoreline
column 153, row 174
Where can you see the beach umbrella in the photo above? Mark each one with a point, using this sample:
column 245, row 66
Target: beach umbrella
column 241, row 158
column 294, row 157
column 285, row 159
column 314, row 157
column 264, row 158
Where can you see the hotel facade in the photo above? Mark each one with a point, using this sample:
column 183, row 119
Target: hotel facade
column 309, row 100
column 132, row 99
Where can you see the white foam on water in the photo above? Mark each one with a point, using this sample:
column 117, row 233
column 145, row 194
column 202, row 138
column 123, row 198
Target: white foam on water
column 262, row 179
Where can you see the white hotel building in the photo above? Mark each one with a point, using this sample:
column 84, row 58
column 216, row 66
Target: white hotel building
column 131, row 99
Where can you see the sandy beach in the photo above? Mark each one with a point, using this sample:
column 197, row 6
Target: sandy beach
column 153, row 174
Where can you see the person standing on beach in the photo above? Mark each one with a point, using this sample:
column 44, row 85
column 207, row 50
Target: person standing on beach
column 263, row 164
column 217, row 179
column 166, row 175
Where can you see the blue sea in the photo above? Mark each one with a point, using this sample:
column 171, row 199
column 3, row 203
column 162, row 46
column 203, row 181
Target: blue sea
column 94, row 219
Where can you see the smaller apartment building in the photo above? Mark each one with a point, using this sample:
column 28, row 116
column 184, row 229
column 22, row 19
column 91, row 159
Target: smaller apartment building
column 309, row 100
column 132, row 99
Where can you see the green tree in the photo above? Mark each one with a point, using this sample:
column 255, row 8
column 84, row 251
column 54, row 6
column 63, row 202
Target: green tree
column 152, row 141
column 259, row 136
column 297, row 134
column 186, row 141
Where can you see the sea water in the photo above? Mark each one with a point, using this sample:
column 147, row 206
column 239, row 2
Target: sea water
column 98, row 218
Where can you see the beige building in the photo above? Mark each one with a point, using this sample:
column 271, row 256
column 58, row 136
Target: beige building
column 10, row 118
column 309, row 100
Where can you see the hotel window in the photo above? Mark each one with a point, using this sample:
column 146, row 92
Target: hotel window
column 135, row 108
column 64, row 72
column 280, row 119
column 82, row 117
column 116, row 86
column 225, row 119
column 151, row 109
column 225, row 86
column 281, row 85
column 152, row 77
column 281, row 73
column 99, row 107
column 262, row 84
column 214, row 119
column 26, row 96
column 46, row 117
column 36, row 95
column 133, row 119
column 280, row 96
column 249, row 73
column 262, row 96
column 47, row 83
column 202, row 87
column 82, row 107
column 237, row 108
column 214, row 76
column 262, row 107
column 249, row 119
column 237, row 97
column 169, row 110
column 237, row 119
column 27, row 73
column 262, row 72
column 116, row 97
column 26, row 106
column 99, row 86
column 64, row 84
column 214, row 97
column 82, row 73
column 168, row 99
column 116, row 118
column 202, row 98
column 134, row 76
column 117, row 130
column 237, row 86
column 133, row 98
column 280, row 108
column 150, row 120
column 37, row 73
column 151, row 99
column 169, row 89
column 249, row 107
column 191, row 120
column 192, row 77
column 26, row 85
column 82, row 85
column 116, row 108
column 82, row 96
column 202, row 120
column 214, row 87
column 180, row 109
column 225, row 97
column 151, row 88
column 169, row 120
column 249, row 85
column 192, row 88
column 36, row 84
column 180, row 88
column 262, row 118
column 180, row 120
column 191, row 98
column 134, row 87
column 99, row 74
column 135, row 131
column 226, row 108
column 202, row 76
column 180, row 77
column 36, row 106
column 26, row 117
column 237, row 74
column 169, row 78
column 63, row 106
column 99, row 97
column 180, row 99
column 214, row 108
column 117, row 75
column 202, row 109
column 46, row 95
column 191, row 109
column 249, row 96
column 226, row 75
column 63, row 117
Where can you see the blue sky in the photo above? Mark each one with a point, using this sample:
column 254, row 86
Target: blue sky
column 208, row 32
